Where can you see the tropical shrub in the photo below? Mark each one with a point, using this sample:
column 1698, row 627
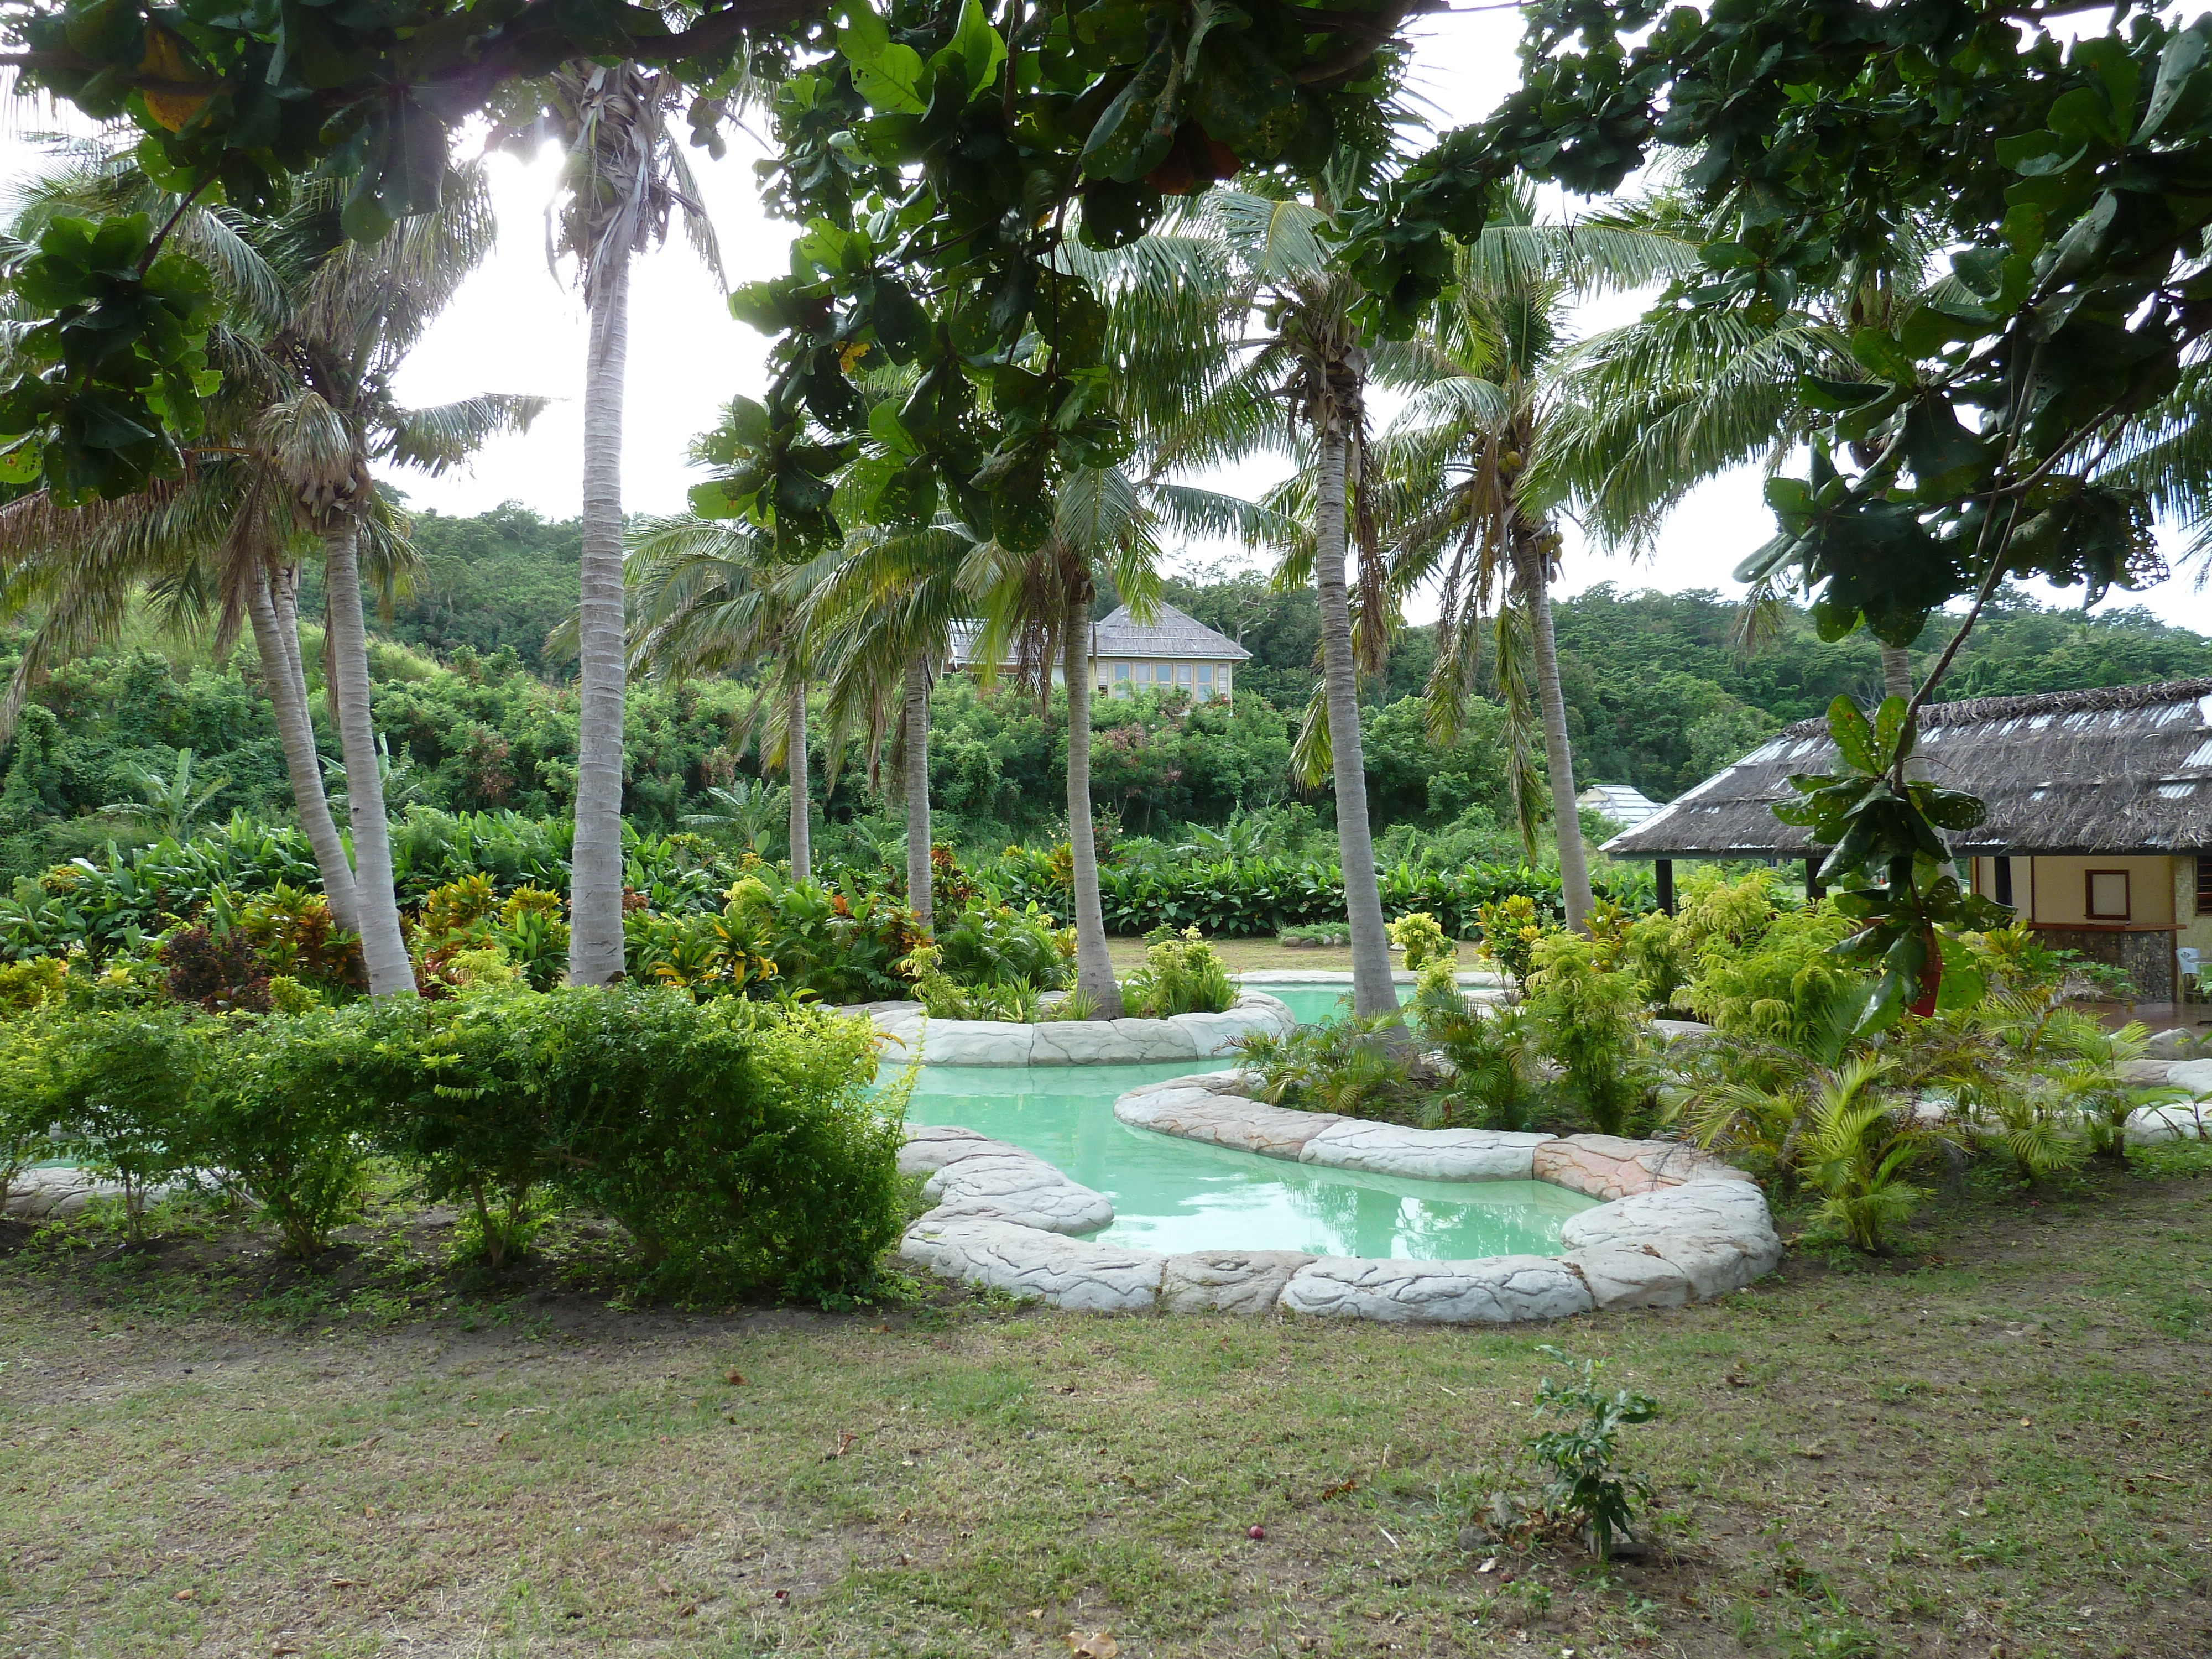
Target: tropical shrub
column 1857, row 1154
column 842, row 945
column 121, row 1088
column 1510, row 929
column 1588, row 1022
column 26, row 1095
column 732, row 1139
column 1180, row 976
column 1771, row 978
column 1419, row 936
column 1317, row 932
column 1586, row 1488
column 943, row 997
column 986, row 943
column 1490, row 1054
column 1345, row 1066
column 277, row 1124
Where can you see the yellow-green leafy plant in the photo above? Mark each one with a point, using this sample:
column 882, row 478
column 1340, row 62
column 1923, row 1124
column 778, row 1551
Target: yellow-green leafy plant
column 1421, row 938
column 1590, row 1022
column 1859, row 1152
column 1771, row 983
column 1658, row 950
column 1510, row 927
column 1182, row 975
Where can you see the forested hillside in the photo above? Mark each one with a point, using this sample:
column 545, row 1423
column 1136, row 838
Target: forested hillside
column 1658, row 696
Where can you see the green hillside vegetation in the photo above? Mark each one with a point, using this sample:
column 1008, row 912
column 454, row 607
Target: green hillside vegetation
column 477, row 719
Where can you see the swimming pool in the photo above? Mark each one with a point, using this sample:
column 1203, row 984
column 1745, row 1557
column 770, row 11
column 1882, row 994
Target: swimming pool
column 1173, row 1195
column 1312, row 1003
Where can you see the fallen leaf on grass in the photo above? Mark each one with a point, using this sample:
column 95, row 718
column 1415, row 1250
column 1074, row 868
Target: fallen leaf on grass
column 345, row 1583
column 1096, row 1645
column 186, row 1595
column 733, row 1377
column 1338, row 1488
column 845, row 1439
column 1812, row 1452
column 1491, row 1565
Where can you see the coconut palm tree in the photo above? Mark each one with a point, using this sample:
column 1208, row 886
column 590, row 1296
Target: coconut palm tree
column 1239, row 255
column 1484, row 375
column 882, row 609
column 317, row 327
column 711, row 595
column 626, row 177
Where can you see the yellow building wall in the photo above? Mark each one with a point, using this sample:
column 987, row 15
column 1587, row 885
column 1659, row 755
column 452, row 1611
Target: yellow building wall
column 2062, row 888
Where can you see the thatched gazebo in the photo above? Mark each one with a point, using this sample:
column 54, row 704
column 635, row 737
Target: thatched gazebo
column 2099, row 826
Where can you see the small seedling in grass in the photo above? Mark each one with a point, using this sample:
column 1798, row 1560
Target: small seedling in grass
column 1586, row 1489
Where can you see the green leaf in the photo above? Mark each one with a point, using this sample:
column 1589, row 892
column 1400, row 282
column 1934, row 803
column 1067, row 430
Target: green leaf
column 890, row 76
column 2184, row 54
column 21, row 461
column 976, row 46
column 1888, row 726
column 1138, row 127
column 1854, row 737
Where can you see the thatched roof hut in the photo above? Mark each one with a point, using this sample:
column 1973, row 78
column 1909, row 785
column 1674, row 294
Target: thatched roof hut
column 2124, row 768
column 2099, row 826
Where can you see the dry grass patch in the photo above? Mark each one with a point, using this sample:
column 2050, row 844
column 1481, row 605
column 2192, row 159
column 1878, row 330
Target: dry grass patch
column 1994, row 1445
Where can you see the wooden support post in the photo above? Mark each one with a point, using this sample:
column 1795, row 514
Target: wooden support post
column 1663, row 871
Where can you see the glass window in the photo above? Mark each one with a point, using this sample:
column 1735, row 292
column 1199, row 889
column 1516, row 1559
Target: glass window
column 1206, row 673
column 1182, row 672
column 2108, row 896
column 1120, row 670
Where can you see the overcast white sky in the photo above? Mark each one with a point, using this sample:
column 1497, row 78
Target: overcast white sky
column 515, row 328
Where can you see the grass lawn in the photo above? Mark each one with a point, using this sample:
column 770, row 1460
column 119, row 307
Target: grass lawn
column 1994, row 1445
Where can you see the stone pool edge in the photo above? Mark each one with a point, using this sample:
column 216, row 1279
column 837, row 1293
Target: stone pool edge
column 1676, row 1225
column 1075, row 1042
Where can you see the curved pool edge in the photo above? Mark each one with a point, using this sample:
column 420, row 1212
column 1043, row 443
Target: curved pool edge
column 1674, row 1225
column 1075, row 1042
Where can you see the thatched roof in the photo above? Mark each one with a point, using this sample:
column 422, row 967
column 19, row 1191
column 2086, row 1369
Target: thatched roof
column 2124, row 768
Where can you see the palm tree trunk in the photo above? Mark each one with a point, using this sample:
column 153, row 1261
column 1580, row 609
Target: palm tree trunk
column 1094, row 969
column 287, row 695
column 794, row 765
column 1559, row 758
column 1896, row 672
column 1373, row 991
column 383, row 950
column 917, row 787
column 595, row 892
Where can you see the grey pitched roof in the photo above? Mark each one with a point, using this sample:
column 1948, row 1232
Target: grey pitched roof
column 1171, row 633
column 2122, row 768
column 1624, row 803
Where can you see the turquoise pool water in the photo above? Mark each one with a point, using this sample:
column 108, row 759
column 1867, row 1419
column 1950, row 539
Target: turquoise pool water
column 1312, row 1003
column 1172, row 1194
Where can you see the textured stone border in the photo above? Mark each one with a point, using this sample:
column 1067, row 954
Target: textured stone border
column 49, row 1195
column 1076, row 1042
column 1677, row 1225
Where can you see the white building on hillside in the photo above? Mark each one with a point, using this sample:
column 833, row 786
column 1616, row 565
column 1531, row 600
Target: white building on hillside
column 1174, row 651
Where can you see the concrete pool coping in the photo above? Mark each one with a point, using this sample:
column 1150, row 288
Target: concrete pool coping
column 1673, row 1225
column 1076, row 1042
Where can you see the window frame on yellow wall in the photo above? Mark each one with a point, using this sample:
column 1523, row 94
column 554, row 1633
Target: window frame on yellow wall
column 2089, row 910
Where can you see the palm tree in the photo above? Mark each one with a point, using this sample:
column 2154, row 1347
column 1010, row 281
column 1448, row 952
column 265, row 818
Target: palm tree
column 1243, row 253
column 319, row 326
column 626, row 177
column 713, row 594
column 882, row 609
column 1458, row 491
